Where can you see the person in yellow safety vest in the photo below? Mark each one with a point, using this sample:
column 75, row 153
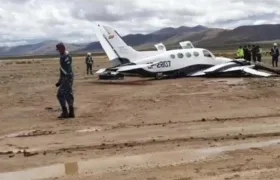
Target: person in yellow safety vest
column 240, row 52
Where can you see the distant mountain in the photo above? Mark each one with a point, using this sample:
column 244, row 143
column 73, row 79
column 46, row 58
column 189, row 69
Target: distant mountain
column 200, row 36
column 179, row 30
column 42, row 48
column 152, row 38
column 197, row 38
column 215, row 37
column 265, row 32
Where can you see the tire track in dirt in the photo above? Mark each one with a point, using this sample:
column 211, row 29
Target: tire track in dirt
column 120, row 126
column 131, row 144
column 41, row 132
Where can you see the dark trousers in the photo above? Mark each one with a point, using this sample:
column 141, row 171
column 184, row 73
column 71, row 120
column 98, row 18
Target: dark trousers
column 65, row 92
column 246, row 57
column 275, row 61
column 259, row 58
column 254, row 58
column 89, row 69
column 249, row 57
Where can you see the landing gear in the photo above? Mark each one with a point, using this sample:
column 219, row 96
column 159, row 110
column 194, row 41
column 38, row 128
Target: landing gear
column 159, row 76
column 179, row 74
column 111, row 76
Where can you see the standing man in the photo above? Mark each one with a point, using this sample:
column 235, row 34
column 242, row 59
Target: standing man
column 65, row 83
column 89, row 63
column 274, row 52
column 245, row 51
column 259, row 54
column 249, row 53
column 254, row 53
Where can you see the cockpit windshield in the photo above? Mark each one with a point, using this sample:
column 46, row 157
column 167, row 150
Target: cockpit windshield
column 207, row 53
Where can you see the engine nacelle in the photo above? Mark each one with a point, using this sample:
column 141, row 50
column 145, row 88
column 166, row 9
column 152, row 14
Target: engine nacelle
column 160, row 47
column 186, row 45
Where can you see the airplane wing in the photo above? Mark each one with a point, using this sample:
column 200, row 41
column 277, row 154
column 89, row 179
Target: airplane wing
column 100, row 71
column 124, row 68
column 133, row 67
column 257, row 73
column 248, row 70
column 233, row 69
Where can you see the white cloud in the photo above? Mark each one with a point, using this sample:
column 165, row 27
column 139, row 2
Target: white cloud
column 24, row 21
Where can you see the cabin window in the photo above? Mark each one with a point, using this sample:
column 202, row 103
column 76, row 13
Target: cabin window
column 172, row 56
column 195, row 54
column 188, row 55
column 206, row 53
column 180, row 55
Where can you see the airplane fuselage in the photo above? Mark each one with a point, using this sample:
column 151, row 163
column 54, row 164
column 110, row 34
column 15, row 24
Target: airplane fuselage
column 184, row 60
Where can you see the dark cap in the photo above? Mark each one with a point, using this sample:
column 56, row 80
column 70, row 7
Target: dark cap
column 60, row 46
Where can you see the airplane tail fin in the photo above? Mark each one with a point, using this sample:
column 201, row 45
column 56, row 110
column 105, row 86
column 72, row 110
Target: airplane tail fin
column 114, row 46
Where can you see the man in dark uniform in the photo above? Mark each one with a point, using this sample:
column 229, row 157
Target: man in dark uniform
column 89, row 63
column 249, row 53
column 65, row 83
column 274, row 52
column 259, row 54
column 254, row 53
column 245, row 50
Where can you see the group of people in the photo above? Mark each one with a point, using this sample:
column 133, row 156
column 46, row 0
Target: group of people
column 250, row 53
column 254, row 53
column 65, row 83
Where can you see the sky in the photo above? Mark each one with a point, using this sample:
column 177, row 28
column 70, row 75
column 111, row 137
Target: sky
column 32, row 21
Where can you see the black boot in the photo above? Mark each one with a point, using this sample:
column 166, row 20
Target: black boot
column 64, row 113
column 71, row 112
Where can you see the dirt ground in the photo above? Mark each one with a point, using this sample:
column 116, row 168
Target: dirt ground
column 182, row 129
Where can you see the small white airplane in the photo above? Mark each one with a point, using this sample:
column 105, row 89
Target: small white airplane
column 186, row 62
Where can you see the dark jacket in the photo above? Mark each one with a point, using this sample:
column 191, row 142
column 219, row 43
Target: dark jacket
column 254, row 50
column 245, row 50
column 249, row 51
column 89, row 60
column 274, row 52
column 65, row 67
